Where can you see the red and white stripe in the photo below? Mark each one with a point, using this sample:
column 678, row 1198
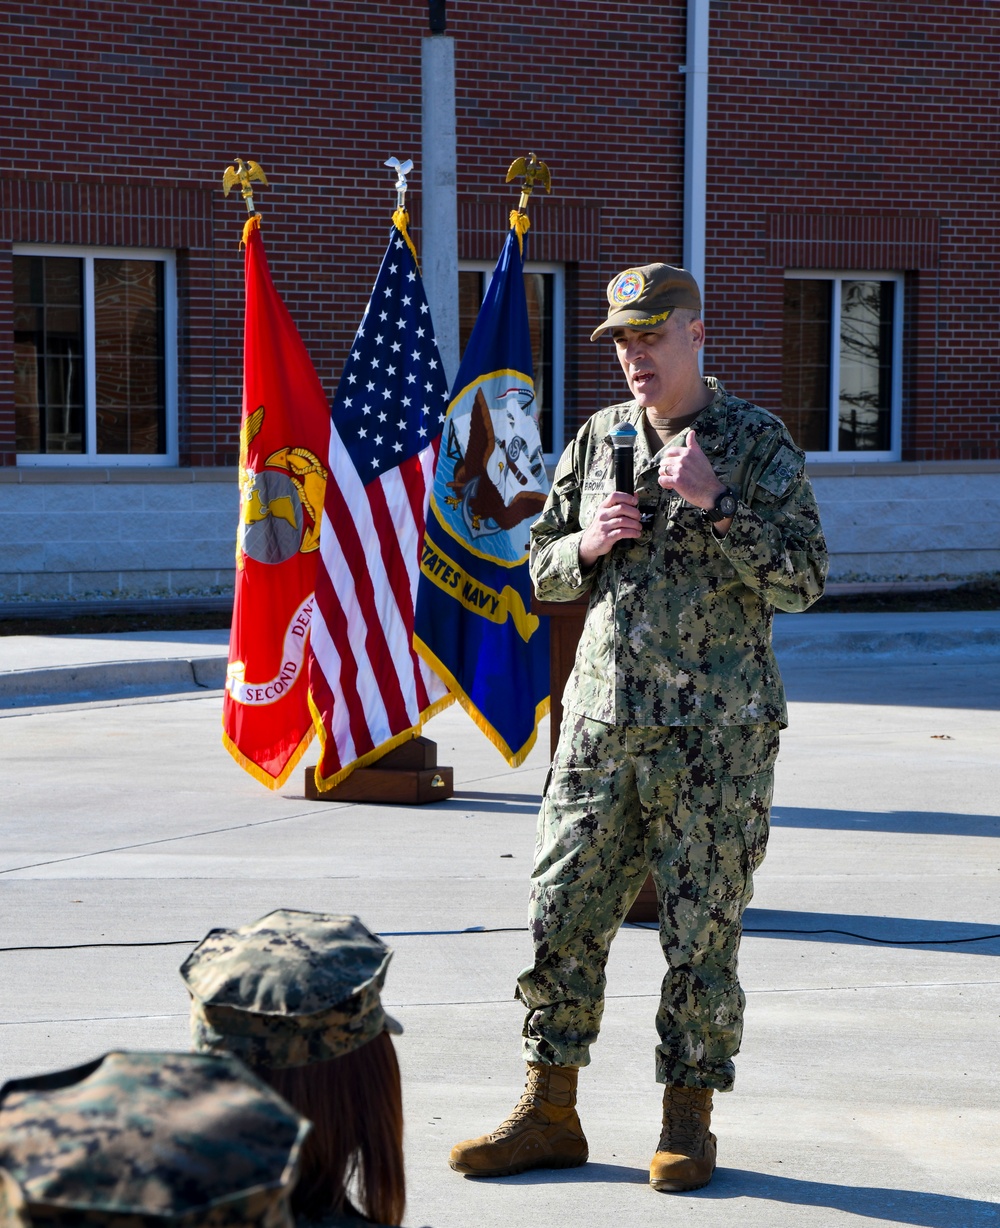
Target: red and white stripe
column 367, row 683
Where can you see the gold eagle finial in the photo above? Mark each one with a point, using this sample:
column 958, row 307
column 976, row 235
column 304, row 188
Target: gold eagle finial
column 534, row 171
column 243, row 173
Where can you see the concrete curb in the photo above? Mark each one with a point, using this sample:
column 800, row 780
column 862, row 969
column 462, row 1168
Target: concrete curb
column 33, row 687
column 94, row 608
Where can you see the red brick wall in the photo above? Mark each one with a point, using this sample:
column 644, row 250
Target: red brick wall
column 855, row 110
column 162, row 95
column 883, row 116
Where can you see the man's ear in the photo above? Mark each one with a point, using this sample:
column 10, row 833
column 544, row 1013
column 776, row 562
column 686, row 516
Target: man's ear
column 697, row 333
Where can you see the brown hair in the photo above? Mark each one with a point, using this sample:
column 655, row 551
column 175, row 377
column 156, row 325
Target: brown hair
column 355, row 1104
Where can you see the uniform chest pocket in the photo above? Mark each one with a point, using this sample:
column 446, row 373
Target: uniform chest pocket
column 595, row 490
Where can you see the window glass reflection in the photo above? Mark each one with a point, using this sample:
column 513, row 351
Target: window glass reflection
column 128, row 342
column 865, row 395
column 805, row 369
column 48, row 354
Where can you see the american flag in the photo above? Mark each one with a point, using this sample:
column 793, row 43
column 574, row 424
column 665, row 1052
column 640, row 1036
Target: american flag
column 368, row 688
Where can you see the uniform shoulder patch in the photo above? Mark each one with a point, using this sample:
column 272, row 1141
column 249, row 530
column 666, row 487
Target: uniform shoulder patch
column 784, row 467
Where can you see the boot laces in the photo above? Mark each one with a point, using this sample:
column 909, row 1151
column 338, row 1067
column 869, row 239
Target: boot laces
column 529, row 1106
column 683, row 1128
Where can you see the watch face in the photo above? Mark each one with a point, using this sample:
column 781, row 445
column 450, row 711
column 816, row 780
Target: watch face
column 727, row 505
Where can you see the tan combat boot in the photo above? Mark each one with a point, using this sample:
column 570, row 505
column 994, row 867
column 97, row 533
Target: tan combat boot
column 685, row 1156
column 542, row 1132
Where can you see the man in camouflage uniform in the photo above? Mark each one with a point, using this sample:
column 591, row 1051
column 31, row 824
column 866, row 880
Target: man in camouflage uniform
column 670, row 723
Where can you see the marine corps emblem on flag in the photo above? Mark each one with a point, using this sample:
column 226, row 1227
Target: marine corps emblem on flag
column 281, row 505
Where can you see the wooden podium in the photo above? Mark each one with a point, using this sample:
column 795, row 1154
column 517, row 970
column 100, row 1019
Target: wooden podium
column 406, row 776
column 565, row 627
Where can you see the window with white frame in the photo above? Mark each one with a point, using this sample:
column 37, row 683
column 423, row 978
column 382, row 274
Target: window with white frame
column 842, row 347
column 544, row 286
column 94, row 355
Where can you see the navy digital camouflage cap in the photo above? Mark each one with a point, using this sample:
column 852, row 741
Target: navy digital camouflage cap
column 140, row 1139
column 288, row 990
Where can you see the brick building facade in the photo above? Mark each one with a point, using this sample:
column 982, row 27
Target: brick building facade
column 849, row 236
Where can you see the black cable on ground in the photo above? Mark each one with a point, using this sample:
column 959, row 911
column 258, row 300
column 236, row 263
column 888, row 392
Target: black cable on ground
column 892, row 942
column 518, row 929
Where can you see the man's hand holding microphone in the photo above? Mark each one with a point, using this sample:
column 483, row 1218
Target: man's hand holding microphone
column 618, row 517
column 685, row 469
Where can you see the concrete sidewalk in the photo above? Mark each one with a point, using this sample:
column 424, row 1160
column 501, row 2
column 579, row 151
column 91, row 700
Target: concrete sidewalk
column 868, row 1087
column 44, row 670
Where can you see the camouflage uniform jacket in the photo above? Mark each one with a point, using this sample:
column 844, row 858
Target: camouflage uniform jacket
column 678, row 627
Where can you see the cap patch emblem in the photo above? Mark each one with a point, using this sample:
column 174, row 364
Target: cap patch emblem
column 628, row 287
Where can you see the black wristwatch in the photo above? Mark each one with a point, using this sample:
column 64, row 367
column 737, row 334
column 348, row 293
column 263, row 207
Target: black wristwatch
column 724, row 507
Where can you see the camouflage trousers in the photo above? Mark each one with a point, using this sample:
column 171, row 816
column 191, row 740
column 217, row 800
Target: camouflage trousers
column 691, row 805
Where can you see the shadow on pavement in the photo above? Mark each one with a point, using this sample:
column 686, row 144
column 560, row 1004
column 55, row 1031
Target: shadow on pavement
column 918, row 933
column 495, row 802
column 588, row 1174
column 896, row 1206
column 915, row 822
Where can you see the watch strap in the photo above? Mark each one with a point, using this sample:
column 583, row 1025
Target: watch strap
column 715, row 513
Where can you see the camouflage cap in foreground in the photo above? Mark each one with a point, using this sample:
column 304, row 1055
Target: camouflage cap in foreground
column 140, row 1139
column 290, row 989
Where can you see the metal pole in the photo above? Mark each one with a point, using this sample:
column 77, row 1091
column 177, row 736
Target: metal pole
column 696, row 141
column 439, row 212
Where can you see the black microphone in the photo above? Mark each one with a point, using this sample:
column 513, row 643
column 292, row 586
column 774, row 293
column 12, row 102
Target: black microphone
column 623, row 439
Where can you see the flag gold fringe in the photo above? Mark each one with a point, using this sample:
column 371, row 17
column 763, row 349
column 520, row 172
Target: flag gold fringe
column 401, row 220
column 252, row 223
column 257, row 772
column 325, row 783
column 514, row 758
column 520, row 222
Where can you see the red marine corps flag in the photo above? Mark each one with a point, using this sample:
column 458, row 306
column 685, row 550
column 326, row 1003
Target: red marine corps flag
column 284, row 439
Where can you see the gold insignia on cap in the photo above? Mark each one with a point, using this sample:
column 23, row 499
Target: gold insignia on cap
column 638, row 321
column 628, row 287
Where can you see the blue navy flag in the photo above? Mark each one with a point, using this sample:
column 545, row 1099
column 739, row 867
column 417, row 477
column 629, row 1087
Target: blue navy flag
column 474, row 624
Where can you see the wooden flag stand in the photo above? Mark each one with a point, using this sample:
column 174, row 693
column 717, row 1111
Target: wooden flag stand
column 565, row 628
column 406, row 776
